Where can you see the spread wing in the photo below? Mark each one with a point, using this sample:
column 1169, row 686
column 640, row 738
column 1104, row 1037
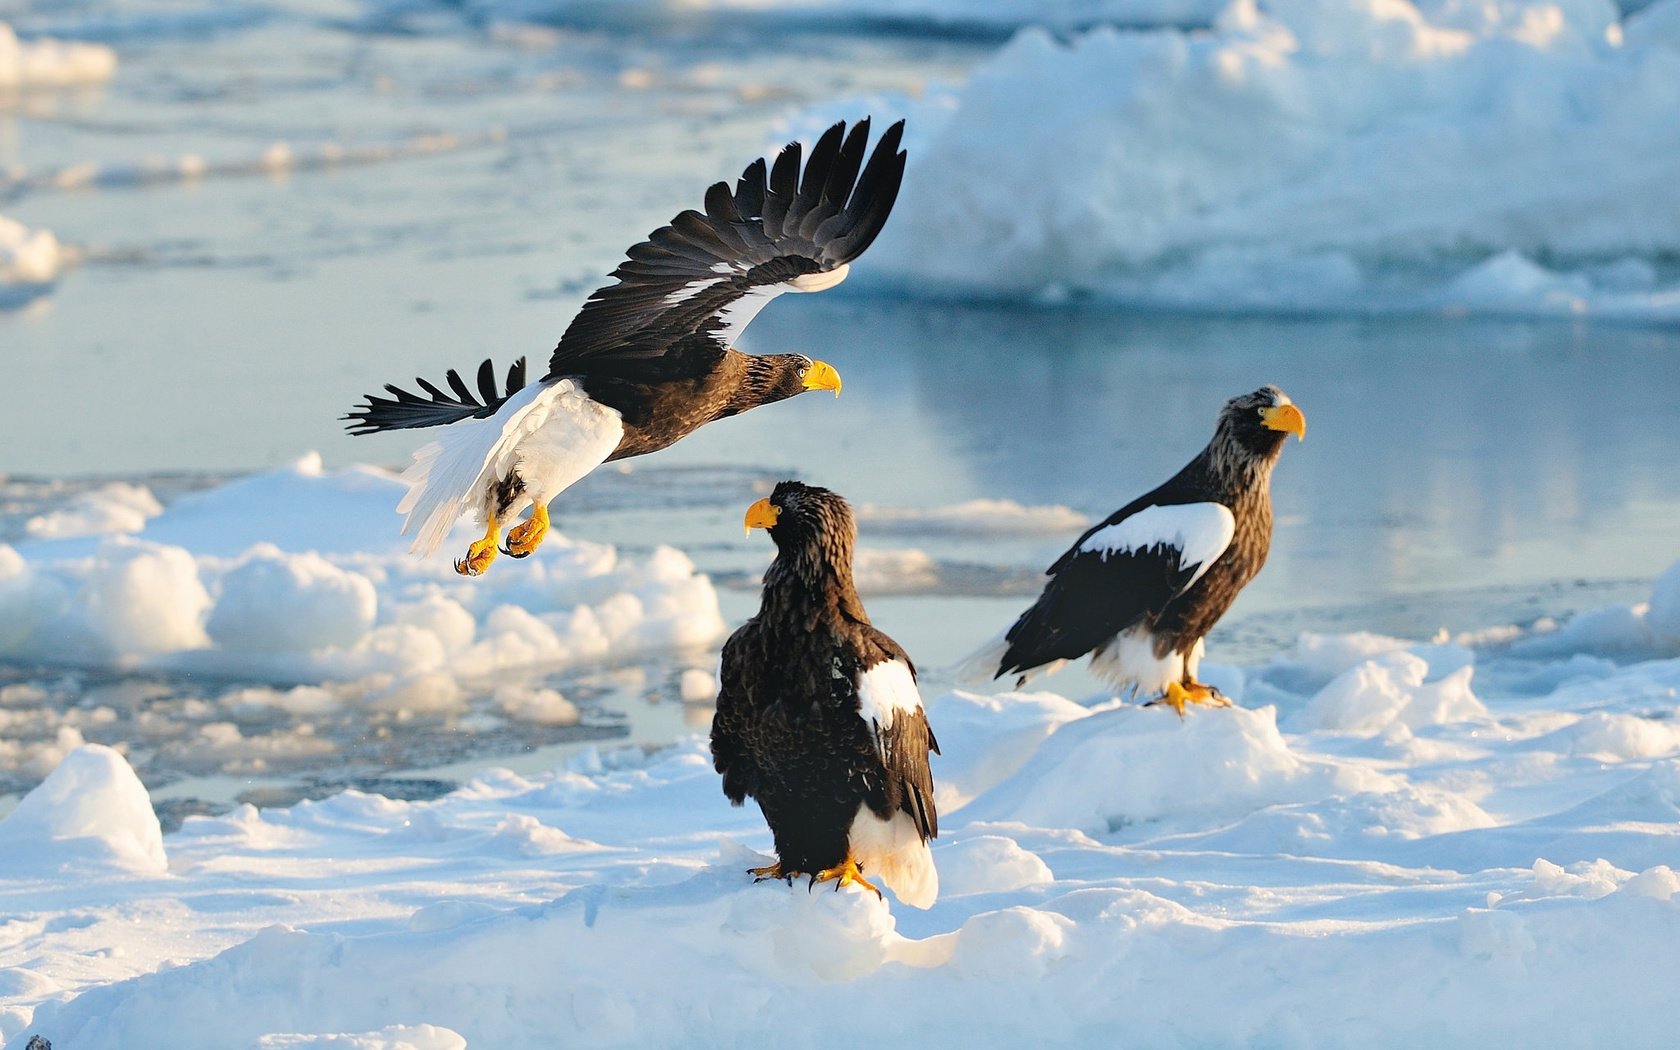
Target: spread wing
column 710, row 272
column 1120, row 571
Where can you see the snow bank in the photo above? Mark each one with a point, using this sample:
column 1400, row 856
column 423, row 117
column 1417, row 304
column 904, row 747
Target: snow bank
column 1510, row 157
column 298, row 576
column 90, row 812
column 51, row 63
column 1129, row 765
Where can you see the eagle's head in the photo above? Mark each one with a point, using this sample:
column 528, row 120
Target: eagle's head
column 790, row 374
column 800, row 516
column 1255, row 426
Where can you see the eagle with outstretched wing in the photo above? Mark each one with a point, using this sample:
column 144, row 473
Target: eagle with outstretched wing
column 650, row 357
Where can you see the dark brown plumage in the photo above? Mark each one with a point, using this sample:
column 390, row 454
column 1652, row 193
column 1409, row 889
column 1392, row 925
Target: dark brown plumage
column 818, row 718
column 650, row 357
column 1140, row 590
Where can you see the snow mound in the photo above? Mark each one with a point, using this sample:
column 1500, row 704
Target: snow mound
column 1129, row 765
column 1312, row 155
column 51, row 63
column 298, row 576
column 1391, row 689
column 115, row 507
column 90, row 811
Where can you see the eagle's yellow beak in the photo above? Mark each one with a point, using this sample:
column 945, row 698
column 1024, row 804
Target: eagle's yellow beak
column 1286, row 418
column 822, row 376
column 762, row 515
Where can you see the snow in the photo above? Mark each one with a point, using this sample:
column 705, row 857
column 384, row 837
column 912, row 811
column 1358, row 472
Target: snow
column 51, row 63
column 981, row 517
column 1375, row 855
column 297, row 577
column 91, row 811
column 1366, row 155
column 113, row 507
column 30, row 260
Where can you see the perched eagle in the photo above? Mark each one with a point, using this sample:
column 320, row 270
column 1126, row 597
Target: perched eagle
column 819, row 718
column 649, row 358
column 1141, row 589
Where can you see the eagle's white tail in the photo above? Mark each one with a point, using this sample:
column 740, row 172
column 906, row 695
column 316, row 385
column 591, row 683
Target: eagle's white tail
column 980, row 666
column 451, row 476
column 893, row 851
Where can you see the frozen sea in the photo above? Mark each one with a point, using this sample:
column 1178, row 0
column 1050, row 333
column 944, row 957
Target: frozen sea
column 270, row 209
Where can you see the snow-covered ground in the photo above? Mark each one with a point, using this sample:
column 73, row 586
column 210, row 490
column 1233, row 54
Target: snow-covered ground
column 1310, row 155
column 1466, row 842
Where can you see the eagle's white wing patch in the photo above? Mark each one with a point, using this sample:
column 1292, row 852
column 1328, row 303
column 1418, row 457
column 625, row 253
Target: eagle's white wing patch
column 885, row 691
column 740, row 313
column 1200, row 532
column 449, row 476
column 892, row 848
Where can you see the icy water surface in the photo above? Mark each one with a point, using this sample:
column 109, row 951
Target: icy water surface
column 1456, row 474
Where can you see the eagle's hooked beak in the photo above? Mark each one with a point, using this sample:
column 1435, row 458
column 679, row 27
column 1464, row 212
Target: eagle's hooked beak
column 762, row 515
column 822, row 376
column 1286, row 418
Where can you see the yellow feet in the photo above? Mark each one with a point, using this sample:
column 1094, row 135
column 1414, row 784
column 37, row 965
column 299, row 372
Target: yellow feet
column 481, row 553
column 1178, row 695
column 845, row 874
column 525, row 537
column 774, row 871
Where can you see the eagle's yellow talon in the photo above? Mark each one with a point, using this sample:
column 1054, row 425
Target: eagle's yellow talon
column 481, row 553
column 845, row 874
column 773, row 871
column 528, row 535
column 1178, row 695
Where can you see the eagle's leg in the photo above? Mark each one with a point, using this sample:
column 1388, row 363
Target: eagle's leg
column 845, row 874
column 483, row 551
column 774, row 871
column 525, row 537
column 1178, row 694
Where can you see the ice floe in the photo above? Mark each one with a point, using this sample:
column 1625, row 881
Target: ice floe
column 1503, row 158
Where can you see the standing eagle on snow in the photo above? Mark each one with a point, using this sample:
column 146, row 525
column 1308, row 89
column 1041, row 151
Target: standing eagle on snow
column 649, row 358
column 818, row 717
column 1141, row 589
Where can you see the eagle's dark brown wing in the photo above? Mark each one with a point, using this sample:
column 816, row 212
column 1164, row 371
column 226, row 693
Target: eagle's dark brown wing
column 710, row 272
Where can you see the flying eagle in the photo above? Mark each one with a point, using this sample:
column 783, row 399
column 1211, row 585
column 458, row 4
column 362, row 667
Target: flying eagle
column 649, row 358
column 819, row 718
column 1141, row 589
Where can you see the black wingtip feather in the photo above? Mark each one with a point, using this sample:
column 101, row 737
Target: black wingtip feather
column 405, row 410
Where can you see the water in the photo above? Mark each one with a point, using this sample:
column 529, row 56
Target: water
column 1456, row 474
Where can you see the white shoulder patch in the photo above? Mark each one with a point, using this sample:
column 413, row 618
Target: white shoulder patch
column 884, row 691
column 1200, row 532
